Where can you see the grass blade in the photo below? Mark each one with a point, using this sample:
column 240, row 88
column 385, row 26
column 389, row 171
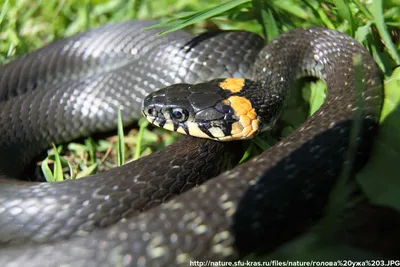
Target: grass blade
column 317, row 96
column 261, row 143
column 58, row 172
column 261, row 10
column 143, row 123
column 247, row 153
column 181, row 22
column 266, row 19
column 380, row 25
column 363, row 9
column 48, row 175
column 345, row 12
column 272, row 28
column 91, row 149
column 292, row 9
column 88, row 171
column 120, row 142
column 319, row 13
column 4, row 10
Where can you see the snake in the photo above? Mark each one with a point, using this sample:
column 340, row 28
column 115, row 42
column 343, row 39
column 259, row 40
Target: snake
column 164, row 209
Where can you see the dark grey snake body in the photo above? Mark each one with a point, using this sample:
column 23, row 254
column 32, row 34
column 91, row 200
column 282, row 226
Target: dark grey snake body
column 221, row 219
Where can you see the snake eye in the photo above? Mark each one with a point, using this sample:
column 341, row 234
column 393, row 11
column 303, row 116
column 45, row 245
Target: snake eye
column 179, row 114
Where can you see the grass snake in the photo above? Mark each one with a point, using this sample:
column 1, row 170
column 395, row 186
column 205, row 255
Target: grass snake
column 73, row 87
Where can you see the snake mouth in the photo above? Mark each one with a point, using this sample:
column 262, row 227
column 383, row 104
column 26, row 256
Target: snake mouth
column 154, row 117
column 156, row 121
column 216, row 130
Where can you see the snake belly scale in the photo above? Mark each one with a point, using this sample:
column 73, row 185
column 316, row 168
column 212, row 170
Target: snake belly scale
column 256, row 206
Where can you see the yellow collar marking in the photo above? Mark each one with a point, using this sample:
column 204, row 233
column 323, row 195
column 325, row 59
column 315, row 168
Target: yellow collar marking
column 232, row 84
column 248, row 123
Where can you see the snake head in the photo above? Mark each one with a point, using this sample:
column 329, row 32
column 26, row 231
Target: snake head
column 213, row 110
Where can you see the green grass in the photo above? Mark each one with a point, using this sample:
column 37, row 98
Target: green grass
column 26, row 25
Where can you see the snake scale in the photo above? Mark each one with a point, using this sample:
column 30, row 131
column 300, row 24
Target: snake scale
column 73, row 88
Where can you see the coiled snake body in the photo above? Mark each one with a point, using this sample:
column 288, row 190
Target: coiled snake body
column 74, row 87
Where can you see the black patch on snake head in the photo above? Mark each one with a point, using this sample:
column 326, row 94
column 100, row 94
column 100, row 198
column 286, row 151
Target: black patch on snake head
column 208, row 88
column 176, row 91
column 201, row 101
column 209, row 114
column 170, row 104
column 205, row 95
column 154, row 103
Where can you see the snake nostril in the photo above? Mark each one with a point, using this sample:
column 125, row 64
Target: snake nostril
column 151, row 111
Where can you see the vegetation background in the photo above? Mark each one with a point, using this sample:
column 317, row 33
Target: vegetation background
column 26, row 25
